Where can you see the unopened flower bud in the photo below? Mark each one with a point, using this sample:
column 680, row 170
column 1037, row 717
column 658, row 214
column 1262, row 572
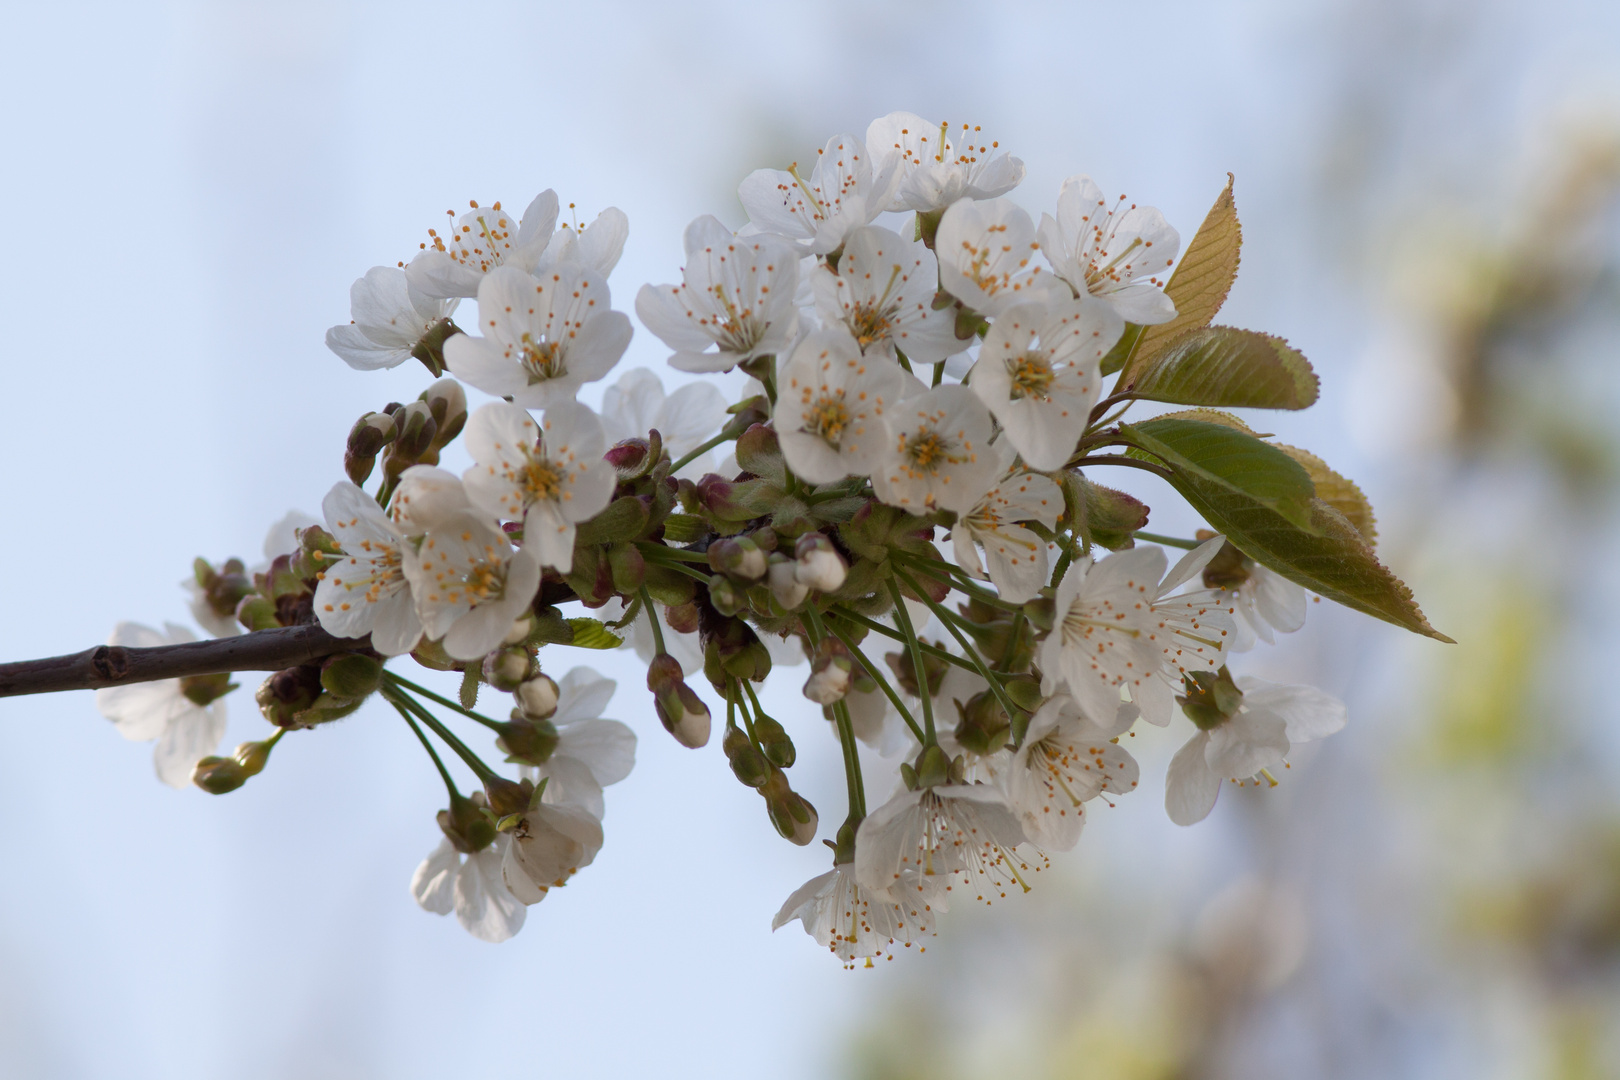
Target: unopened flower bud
column 506, row 669
column 739, row 556
column 684, row 716
column 218, row 775
column 832, row 670
column 628, row 456
column 714, row 495
column 426, row 494
column 1025, row 692
column 528, row 741
column 819, row 565
column 351, row 675
column 786, row 588
column 747, row 763
column 415, row 430
column 983, row 724
column 447, row 401
column 682, row 618
column 537, row 697
column 369, row 435
column 792, row 814
column 726, row 597
column 288, row 692
column 775, row 743
column 680, row 710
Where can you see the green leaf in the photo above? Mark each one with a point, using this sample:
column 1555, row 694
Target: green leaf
column 1199, row 285
column 469, row 686
column 1222, row 457
column 593, row 634
column 1332, row 559
column 623, row 519
column 1338, row 492
column 1219, row 365
column 684, row 528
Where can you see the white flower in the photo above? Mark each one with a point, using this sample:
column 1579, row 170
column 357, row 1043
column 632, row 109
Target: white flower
column 483, row 240
column 935, row 453
column 388, row 318
column 469, row 584
column 549, row 845
column 543, row 336
column 1017, row 558
column 472, row 887
column 685, row 420
column 167, row 710
column 548, row 475
column 1114, row 254
column 848, row 920
column 1039, row 372
column 1065, row 760
column 736, row 294
column 366, row 592
column 1265, row 601
column 1257, row 736
column 940, row 166
column 939, row 839
column 987, row 257
column 591, row 753
column 830, row 406
column 841, row 193
column 883, row 293
column 281, row 538
column 1117, row 626
column 425, row 495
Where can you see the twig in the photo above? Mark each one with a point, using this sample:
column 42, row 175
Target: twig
column 117, row 665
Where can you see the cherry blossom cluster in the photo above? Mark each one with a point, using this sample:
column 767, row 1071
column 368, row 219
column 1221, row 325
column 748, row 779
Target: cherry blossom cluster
column 904, row 510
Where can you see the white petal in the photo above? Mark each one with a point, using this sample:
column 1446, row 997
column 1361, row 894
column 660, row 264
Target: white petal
column 1191, row 787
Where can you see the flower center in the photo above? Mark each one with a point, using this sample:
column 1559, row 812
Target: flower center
column 827, row 418
column 1031, row 376
column 479, row 241
column 542, row 360
column 541, row 480
column 869, row 323
column 928, row 450
column 486, row 581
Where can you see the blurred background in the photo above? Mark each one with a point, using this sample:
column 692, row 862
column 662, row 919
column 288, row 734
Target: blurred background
column 1430, row 191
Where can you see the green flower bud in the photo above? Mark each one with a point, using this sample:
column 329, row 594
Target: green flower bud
column 727, row 598
column 351, row 675
column 747, row 763
column 983, row 724
column 775, row 743
column 507, row 669
column 218, row 775
column 257, row 613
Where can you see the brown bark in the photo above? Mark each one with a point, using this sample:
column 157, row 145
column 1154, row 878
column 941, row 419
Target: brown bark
column 115, row 665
